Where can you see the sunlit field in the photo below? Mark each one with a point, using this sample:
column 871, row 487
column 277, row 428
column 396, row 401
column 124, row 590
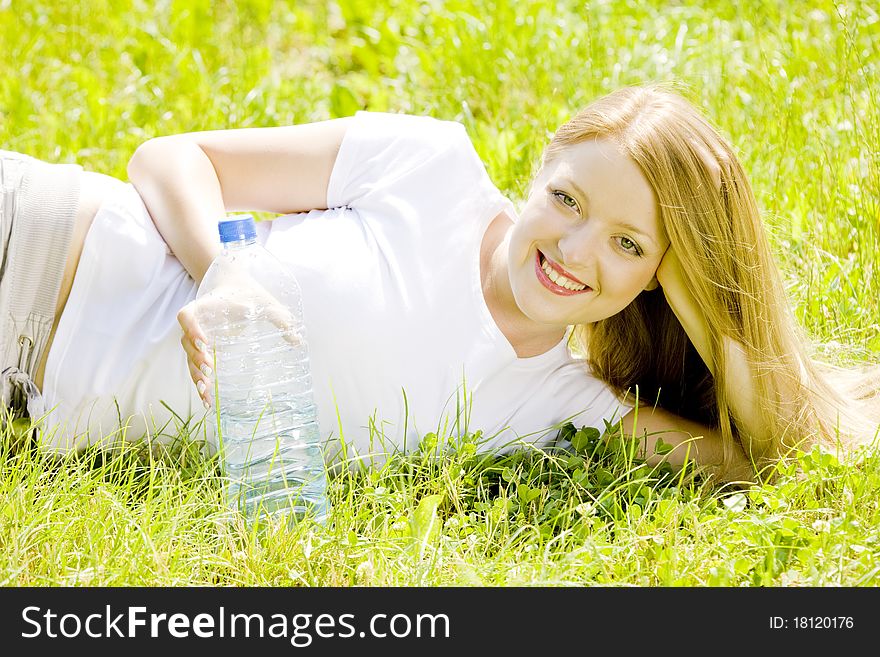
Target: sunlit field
column 793, row 85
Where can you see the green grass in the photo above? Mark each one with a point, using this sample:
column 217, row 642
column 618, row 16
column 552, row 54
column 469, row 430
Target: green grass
column 793, row 87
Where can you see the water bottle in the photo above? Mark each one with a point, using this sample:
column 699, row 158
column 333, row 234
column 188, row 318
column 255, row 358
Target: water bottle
column 264, row 416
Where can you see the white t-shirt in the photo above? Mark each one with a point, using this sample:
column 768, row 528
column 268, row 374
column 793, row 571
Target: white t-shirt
column 400, row 338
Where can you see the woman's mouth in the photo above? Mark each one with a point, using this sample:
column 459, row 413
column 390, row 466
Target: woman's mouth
column 556, row 279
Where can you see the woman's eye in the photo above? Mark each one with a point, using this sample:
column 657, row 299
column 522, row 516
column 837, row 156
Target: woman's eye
column 628, row 245
column 566, row 200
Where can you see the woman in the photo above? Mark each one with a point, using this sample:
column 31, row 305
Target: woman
column 640, row 244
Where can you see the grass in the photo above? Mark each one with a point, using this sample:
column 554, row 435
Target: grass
column 794, row 88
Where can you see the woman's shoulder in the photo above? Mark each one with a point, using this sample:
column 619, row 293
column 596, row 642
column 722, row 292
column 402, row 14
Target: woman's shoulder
column 382, row 149
column 407, row 121
column 390, row 130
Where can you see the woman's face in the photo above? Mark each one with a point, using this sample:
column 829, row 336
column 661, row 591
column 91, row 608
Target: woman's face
column 589, row 238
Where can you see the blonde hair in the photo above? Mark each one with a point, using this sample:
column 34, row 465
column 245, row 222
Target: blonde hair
column 710, row 214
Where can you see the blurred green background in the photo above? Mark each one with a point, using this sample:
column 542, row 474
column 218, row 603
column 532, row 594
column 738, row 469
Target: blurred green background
column 792, row 84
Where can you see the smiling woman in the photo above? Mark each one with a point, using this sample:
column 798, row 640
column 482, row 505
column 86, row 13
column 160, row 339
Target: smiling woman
column 430, row 302
column 720, row 345
column 604, row 235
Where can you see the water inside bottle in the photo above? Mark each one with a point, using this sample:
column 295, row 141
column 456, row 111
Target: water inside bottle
column 274, row 462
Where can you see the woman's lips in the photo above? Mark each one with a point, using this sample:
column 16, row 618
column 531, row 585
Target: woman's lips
column 550, row 285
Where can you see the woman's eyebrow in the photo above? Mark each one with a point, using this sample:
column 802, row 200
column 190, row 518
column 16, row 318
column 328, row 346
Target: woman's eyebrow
column 633, row 229
column 580, row 192
column 622, row 224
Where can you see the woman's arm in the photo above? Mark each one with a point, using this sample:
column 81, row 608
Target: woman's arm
column 690, row 442
column 189, row 181
column 740, row 390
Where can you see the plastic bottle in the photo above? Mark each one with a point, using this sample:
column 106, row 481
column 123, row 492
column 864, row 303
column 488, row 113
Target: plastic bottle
column 263, row 416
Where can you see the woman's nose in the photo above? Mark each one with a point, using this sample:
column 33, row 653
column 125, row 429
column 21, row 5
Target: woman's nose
column 578, row 248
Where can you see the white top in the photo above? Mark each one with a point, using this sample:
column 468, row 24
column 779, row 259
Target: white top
column 401, row 340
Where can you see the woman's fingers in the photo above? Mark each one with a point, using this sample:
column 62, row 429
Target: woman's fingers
column 283, row 319
column 194, row 343
column 199, row 369
column 203, row 383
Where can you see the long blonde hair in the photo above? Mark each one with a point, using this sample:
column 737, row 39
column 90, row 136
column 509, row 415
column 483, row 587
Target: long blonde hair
column 710, row 214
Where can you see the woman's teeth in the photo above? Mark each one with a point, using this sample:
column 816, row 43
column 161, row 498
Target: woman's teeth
column 559, row 279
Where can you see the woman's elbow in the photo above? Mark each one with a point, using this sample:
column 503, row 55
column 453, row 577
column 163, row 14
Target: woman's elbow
column 153, row 155
column 139, row 162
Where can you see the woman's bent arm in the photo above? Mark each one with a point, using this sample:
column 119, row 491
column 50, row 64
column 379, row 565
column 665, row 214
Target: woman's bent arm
column 191, row 180
column 741, row 392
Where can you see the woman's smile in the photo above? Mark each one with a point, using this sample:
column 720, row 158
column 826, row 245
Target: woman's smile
column 556, row 279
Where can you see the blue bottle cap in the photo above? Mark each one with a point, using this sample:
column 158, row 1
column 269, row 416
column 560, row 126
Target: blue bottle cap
column 236, row 229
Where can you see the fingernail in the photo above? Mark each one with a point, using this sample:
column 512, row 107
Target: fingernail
column 207, row 405
column 201, row 387
column 207, row 371
column 201, row 346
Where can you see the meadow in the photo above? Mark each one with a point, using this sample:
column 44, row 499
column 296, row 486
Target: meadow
column 793, row 85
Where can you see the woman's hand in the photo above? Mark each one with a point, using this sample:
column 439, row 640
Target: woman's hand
column 243, row 300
